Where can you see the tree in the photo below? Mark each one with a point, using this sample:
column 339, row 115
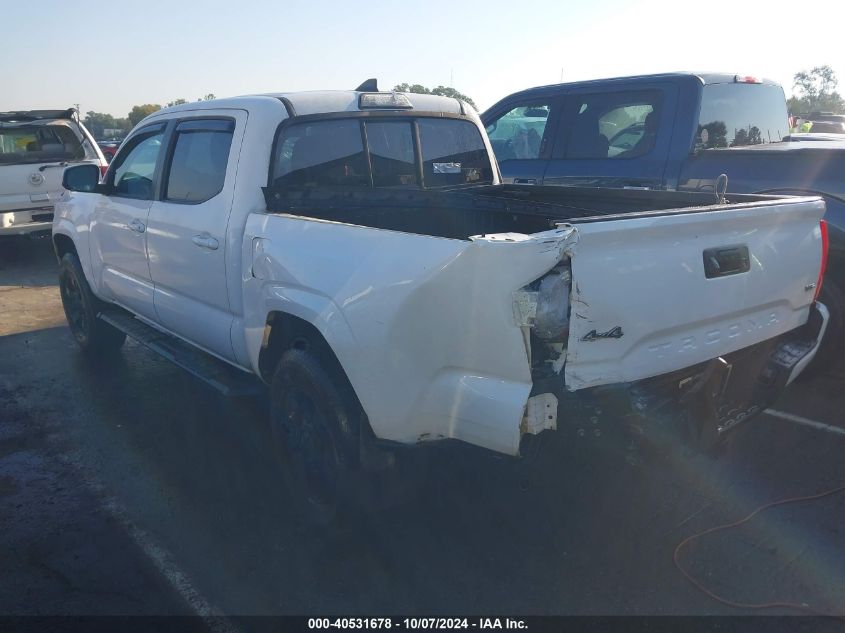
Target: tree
column 207, row 97
column 176, row 102
column 97, row 122
column 712, row 134
column 816, row 90
column 138, row 112
column 443, row 91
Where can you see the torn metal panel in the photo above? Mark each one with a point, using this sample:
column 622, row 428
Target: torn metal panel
column 540, row 414
column 424, row 327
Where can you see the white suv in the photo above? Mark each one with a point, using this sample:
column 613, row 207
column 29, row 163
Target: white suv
column 35, row 147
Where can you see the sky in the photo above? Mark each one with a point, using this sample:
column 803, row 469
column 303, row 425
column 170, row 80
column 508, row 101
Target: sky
column 107, row 56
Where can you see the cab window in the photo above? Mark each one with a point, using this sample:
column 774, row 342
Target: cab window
column 322, row 154
column 612, row 125
column 382, row 152
column 518, row 133
column 453, row 153
column 200, row 155
column 133, row 172
column 392, row 155
column 739, row 114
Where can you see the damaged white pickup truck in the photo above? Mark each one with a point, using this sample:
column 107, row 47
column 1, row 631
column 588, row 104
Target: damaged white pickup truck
column 356, row 251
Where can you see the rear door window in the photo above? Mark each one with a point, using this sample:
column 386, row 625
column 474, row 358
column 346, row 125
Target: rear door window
column 200, row 156
column 39, row 143
column 612, row 125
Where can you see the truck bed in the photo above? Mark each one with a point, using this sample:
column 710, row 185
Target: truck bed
column 462, row 213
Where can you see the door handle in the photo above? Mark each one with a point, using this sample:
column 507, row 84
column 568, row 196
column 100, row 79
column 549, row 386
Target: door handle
column 525, row 181
column 205, row 241
column 137, row 226
column 726, row 260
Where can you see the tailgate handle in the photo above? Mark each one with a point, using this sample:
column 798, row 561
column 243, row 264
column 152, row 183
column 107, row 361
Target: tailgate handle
column 726, row 260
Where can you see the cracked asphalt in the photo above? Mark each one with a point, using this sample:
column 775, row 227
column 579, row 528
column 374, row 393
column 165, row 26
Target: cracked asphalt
column 130, row 488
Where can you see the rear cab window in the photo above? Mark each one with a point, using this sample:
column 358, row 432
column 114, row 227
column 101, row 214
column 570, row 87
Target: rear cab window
column 43, row 141
column 380, row 152
column 741, row 114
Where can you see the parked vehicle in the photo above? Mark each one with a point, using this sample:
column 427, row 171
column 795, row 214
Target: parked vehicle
column 678, row 132
column 811, row 136
column 827, row 127
column 823, row 116
column 357, row 252
column 35, row 147
column 109, row 148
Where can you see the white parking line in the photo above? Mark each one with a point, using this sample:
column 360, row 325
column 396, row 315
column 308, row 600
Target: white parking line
column 163, row 561
column 213, row 618
column 821, row 426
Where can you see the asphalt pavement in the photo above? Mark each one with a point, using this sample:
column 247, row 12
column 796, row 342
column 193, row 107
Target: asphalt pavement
column 127, row 487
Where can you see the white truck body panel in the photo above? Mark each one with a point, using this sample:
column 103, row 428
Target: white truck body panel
column 646, row 275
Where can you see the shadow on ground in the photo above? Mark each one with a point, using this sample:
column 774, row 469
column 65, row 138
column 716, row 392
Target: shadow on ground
column 27, row 263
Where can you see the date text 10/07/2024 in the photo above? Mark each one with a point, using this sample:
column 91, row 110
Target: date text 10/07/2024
column 417, row 623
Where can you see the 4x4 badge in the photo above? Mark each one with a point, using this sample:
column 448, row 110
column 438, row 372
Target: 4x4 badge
column 594, row 336
column 36, row 178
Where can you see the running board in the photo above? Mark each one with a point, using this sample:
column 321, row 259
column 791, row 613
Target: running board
column 225, row 378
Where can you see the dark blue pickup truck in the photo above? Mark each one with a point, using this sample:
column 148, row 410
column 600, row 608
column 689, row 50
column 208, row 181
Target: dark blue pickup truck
column 676, row 131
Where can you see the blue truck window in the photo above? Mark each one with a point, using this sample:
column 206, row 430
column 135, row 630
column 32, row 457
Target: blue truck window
column 613, row 125
column 740, row 114
column 518, row 133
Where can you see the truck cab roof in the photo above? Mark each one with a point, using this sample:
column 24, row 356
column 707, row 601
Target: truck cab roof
column 325, row 102
column 705, row 78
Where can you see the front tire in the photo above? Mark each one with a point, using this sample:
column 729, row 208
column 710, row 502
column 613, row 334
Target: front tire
column 94, row 336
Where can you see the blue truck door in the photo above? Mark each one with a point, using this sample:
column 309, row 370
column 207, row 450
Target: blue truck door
column 520, row 132
column 614, row 137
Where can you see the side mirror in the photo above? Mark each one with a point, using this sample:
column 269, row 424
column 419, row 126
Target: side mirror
column 82, row 178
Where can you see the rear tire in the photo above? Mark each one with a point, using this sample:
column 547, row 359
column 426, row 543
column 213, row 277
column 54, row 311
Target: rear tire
column 316, row 421
column 94, row 336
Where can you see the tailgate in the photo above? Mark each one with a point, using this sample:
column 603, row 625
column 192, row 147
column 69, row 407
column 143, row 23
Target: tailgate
column 27, row 185
column 655, row 293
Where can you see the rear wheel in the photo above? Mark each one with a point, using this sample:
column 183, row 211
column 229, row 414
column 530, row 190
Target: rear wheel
column 93, row 335
column 316, row 420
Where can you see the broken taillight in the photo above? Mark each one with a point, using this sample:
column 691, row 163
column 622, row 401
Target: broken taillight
column 825, row 248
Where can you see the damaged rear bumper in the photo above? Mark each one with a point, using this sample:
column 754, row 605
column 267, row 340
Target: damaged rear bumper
column 695, row 406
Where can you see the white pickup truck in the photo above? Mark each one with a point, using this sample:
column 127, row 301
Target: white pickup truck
column 356, row 251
